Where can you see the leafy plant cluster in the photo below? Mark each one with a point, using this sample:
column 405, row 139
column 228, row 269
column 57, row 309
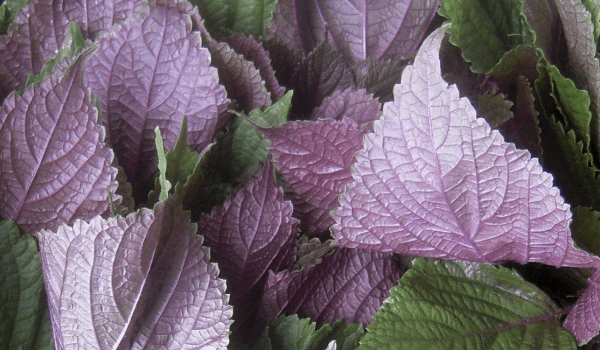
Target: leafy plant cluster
column 284, row 174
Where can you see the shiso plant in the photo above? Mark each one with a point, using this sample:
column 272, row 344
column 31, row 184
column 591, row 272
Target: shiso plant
column 284, row 174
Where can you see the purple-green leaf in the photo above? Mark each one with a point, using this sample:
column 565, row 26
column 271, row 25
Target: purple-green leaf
column 55, row 167
column 435, row 181
column 143, row 281
column 584, row 319
column 149, row 72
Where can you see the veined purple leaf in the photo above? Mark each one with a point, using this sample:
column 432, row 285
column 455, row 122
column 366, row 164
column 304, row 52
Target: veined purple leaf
column 254, row 51
column 584, row 319
column 149, row 72
column 356, row 105
column 54, row 165
column 314, row 160
column 143, row 281
column 40, row 28
column 434, row 181
column 318, row 76
column 251, row 233
column 359, row 29
column 241, row 78
column 350, row 283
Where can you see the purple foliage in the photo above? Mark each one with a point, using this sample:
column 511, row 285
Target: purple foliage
column 150, row 72
column 314, row 160
column 356, row 105
column 250, row 234
column 125, row 283
column 350, row 283
column 436, row 182
column 40, row 28
column 584, row 319
column 377, row 29
column 55, row 167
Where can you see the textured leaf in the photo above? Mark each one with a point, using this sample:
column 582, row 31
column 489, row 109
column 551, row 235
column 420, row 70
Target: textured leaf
column 584, row 319
column 579, row 34
column 356, row 105
column 594, row 8
column 498, row 26
column 318, row 76
column 523, row 130
column 350, row 283
column 434, row 181
column 25, row 322
column 73, row 44
column 292, row 333
column 55, row 167
column 250, row 234
column 360, row 30
column 522, row 60
column 41, row 27
column 311, row 252
column 143, row 281
column 142, row 84
column 460, row 305
column 494, row 108
column 314, row 160
column 8, row 11
column 249, row 17
column 165, row 185
column 241, row 78
column 254, row 51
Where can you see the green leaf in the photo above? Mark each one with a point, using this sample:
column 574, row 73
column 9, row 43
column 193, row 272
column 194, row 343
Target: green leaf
column 461, row 305
column 564, row 156
column 249, row 17
column 72, row 45
column 594, row 8
column 495, row 108
column 24, row 316
column 165, row 185
column 486, row 29
column 586, row 229
column 574, row 105
column 244, row 146
column 293, row 333
column 8, row 11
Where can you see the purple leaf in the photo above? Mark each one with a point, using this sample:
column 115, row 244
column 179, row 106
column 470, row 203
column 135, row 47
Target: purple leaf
column 314, row 160
column 356, row 105
column 241, row 78
column 54, row 165
column 349, row 283
column 584, row 319
column 150, row 72
column 318, row 76
column 40, row 28
column 251, row 233
column 436, row 182
column 143, row 281
column 358, row 29
column 254, row 51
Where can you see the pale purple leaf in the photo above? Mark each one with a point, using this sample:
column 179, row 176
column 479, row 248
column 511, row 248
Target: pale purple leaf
column 584, row 319
column 148, row 73
column 39, row 29
column 356, row 105
column 359, row 29
column 314, row 160
column 143, row 281
column 251, row 233
column 435, row 181
column 350, row 283
column 54, row 165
